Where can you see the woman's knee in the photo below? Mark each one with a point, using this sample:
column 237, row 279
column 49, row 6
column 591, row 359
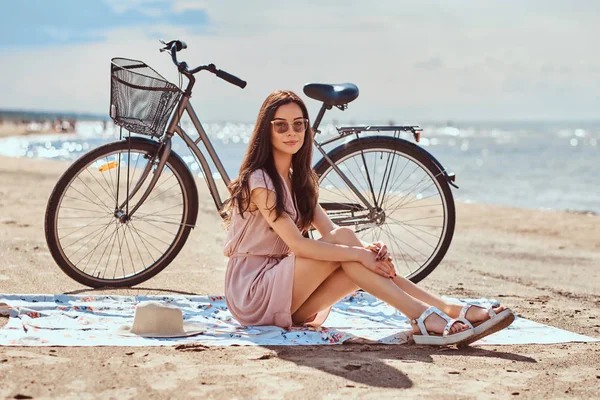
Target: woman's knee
column 342, row 235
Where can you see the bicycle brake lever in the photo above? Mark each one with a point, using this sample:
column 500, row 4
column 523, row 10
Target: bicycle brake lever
column 168, row 45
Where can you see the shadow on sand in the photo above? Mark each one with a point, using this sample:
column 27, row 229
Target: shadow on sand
column 366, row 364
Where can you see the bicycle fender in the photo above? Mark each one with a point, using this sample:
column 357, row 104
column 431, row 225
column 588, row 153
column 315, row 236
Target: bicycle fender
column 191, row 176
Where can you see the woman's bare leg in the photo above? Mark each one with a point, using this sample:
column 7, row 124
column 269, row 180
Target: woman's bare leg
column 309, row 274
column 453, row 310
column 333, row 289
column 380, row 287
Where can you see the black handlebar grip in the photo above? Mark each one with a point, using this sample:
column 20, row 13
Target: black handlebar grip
column 230, row 78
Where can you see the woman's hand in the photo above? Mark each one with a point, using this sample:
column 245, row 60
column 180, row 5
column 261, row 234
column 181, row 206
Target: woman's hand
column 384, row 268
column 380, row 249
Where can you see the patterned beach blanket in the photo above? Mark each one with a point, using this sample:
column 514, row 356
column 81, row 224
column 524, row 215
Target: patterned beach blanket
column 68, row 320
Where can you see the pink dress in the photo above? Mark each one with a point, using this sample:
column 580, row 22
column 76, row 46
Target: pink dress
column 260, row 272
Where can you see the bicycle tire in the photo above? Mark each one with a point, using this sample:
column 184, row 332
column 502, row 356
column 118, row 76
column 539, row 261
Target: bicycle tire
column 174, row 162
column 429, row 165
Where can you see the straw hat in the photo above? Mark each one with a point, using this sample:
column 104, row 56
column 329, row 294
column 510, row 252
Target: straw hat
column 153, row 319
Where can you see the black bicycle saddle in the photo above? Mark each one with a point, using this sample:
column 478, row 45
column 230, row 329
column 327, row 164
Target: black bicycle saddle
column 332, row 94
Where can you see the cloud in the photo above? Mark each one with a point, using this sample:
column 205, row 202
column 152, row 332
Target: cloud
column 63, row 22
column 411, row 61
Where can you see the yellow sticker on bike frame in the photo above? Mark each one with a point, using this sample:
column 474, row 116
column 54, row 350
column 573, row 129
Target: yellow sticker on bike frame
column 107, row 166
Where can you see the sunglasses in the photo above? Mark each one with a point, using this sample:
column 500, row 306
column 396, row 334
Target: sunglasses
column 282, row 126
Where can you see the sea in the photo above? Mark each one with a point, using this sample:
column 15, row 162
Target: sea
column 539, row 165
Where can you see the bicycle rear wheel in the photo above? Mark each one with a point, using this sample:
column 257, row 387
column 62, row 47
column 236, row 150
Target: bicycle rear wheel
column 85, row 234
column 412, row 205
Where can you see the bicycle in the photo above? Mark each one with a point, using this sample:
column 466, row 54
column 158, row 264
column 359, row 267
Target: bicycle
column 106, row 232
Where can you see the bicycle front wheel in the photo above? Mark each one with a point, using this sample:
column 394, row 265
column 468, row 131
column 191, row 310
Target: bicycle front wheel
column 85, row 230
column 409, row 204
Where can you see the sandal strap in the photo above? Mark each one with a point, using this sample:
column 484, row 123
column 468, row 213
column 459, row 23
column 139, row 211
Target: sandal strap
column 466, row 322
column 449, row 326
column 420, row 321
column 463, row 312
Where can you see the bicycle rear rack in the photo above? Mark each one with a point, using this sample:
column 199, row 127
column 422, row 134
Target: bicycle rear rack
column 355, row 130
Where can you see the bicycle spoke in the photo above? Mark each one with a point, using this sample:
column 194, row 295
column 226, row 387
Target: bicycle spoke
column 383, row 200
column 399, row 251
column 103, row 252
column 153, row 237
column 420, row 230
column 385, row 177
column 119, row 257
column 113, row 187
column 164, row 181
column 148, row 201
column 82, row 227
column 418, row 237
column 403, row 199
column 144, row 241
column 398, row 241
column 162, row 229
column 362, row 153
column 81, row 200
column 163, row 217
column 71, row 244
column 136, row 246
column 128, row 249
column 114, row 197
column 410, row 189
column 91, row 251
column 90, row 200
column 343, row 196
column 421, row 206
column 417, row 199
column 362, row 189
column 116, row 234
column 161, row 222
column 97, row 181
column 419, row 219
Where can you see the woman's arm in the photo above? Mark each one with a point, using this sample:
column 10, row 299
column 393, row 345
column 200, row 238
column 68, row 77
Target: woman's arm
column 324, row 225
column 322, row 222
column 265, row 199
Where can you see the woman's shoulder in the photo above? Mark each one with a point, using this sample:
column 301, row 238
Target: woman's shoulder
column 260, row 178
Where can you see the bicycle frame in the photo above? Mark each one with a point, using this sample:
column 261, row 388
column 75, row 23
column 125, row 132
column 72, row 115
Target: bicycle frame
column 174, row 128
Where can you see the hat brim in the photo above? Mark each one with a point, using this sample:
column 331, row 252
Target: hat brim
column 188, row 330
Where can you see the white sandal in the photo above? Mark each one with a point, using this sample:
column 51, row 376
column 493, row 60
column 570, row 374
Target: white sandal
column 481, row 329
column 437, row 339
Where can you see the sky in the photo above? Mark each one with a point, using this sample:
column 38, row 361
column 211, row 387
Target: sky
column 412, row 61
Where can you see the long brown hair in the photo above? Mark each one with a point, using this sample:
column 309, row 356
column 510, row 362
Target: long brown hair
column 259, row 155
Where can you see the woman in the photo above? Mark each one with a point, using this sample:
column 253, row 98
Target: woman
column 276, row 276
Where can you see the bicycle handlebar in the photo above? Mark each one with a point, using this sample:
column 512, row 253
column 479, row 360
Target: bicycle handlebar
column 177, row 45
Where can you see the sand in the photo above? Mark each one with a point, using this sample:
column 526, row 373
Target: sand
column 545, row 265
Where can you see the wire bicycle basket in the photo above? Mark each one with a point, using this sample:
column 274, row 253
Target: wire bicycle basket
column 141, row 100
